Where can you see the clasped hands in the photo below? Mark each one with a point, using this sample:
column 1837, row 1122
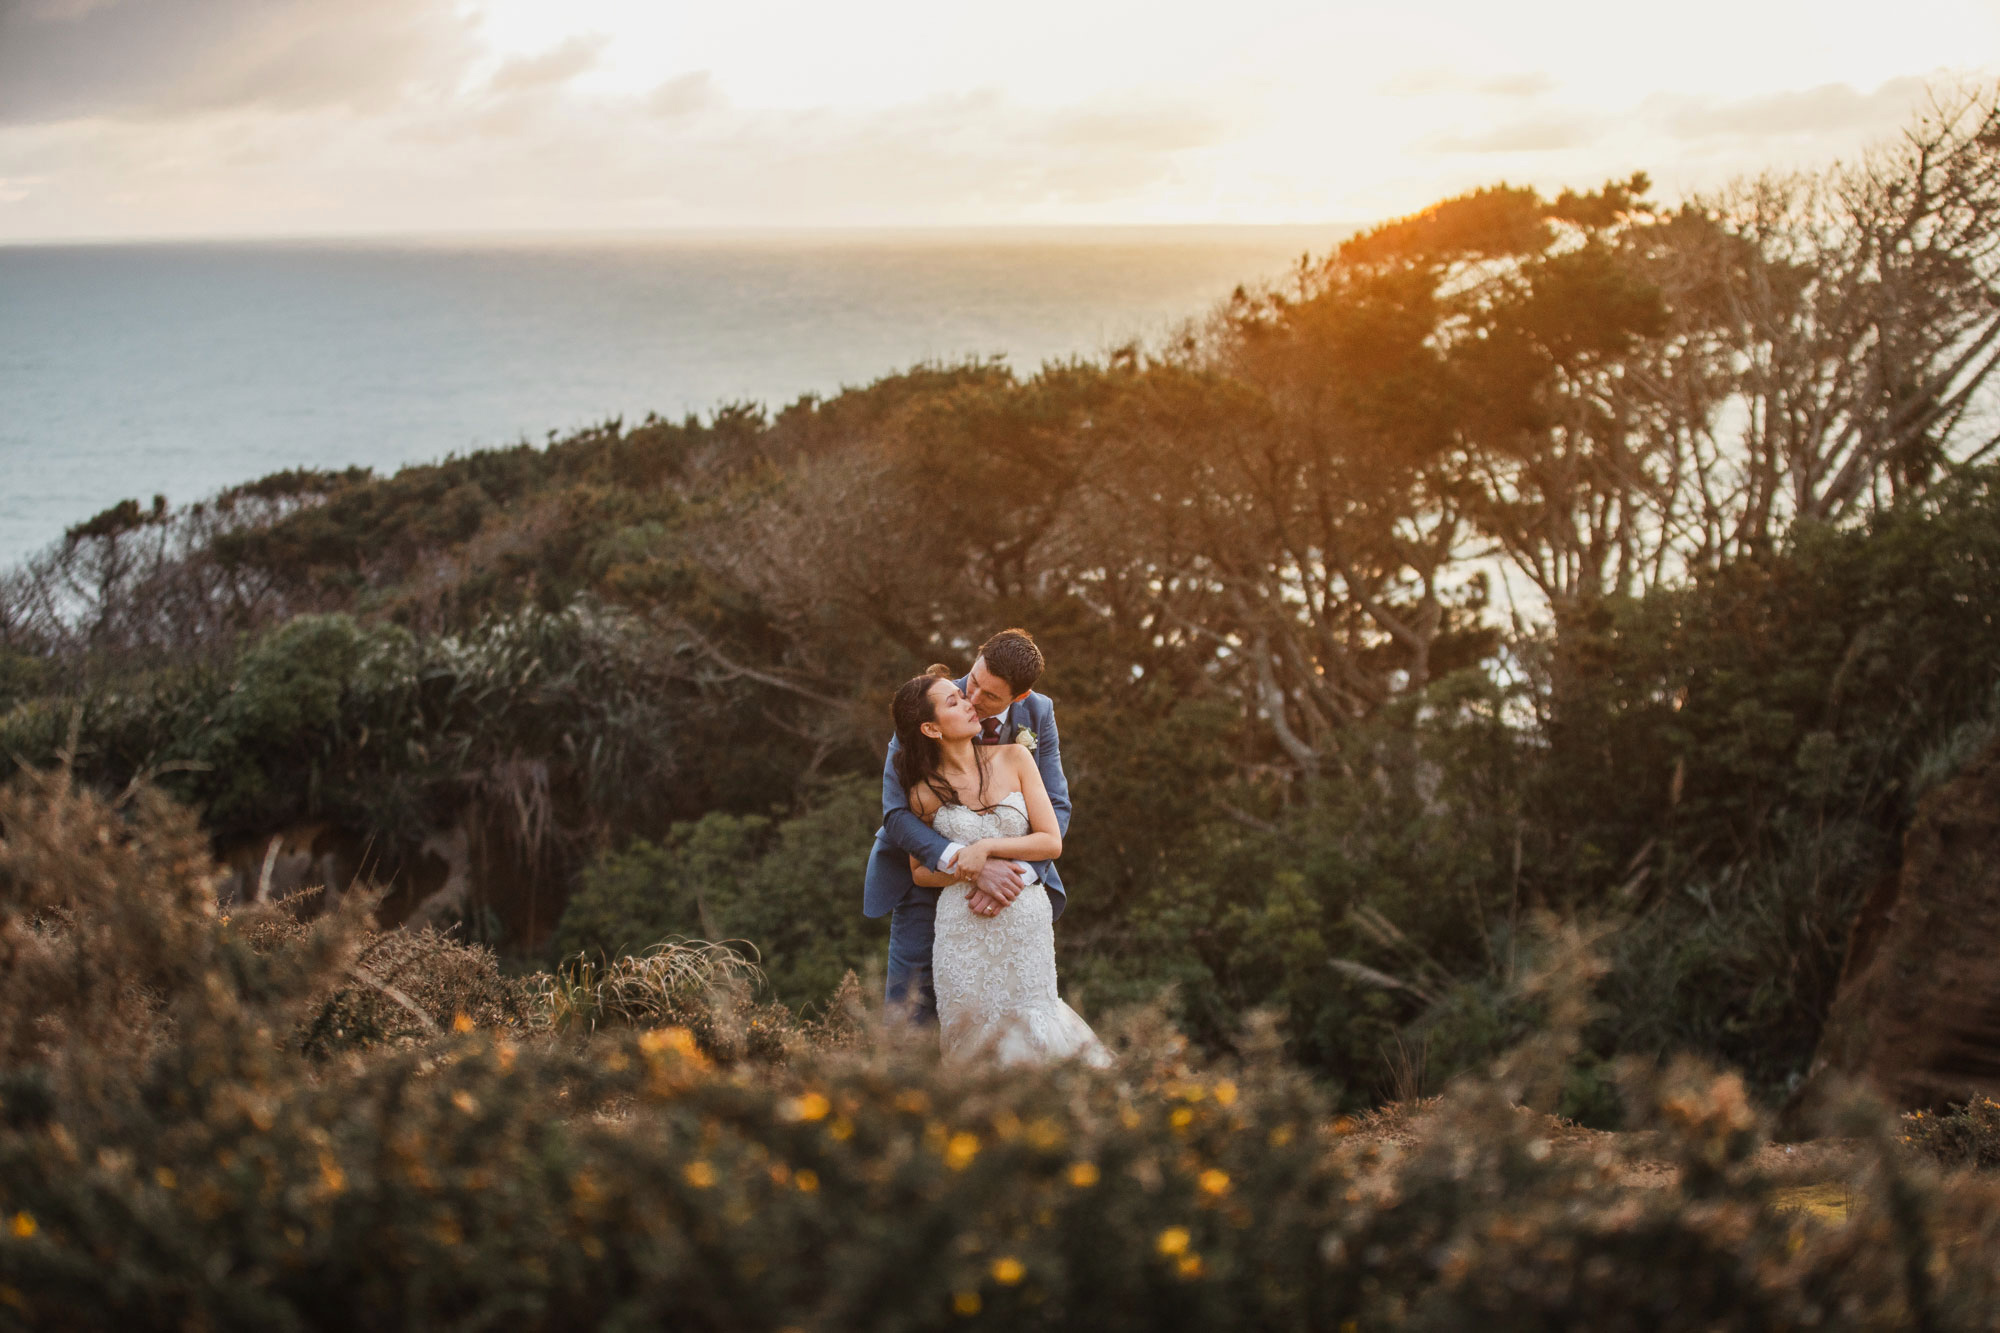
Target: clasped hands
column 995, row 883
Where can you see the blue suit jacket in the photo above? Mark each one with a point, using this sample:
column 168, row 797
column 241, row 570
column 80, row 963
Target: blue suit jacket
column 903, row 835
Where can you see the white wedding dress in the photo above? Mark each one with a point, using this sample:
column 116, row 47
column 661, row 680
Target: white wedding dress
column 996, row 976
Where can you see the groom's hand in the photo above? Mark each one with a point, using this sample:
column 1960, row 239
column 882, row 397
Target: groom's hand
column 981, row 903
column 1000, row 880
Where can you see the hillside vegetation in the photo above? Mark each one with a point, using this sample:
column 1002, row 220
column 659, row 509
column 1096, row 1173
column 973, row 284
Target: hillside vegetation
column 1578, row 555
column 201, row 1127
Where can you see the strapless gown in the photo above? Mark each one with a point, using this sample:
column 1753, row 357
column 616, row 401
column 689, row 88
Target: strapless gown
column 996, row 976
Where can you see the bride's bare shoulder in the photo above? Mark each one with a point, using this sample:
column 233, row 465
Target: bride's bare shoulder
column 1014, row 758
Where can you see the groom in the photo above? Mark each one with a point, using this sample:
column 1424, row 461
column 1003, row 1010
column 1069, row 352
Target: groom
column 1001, row 688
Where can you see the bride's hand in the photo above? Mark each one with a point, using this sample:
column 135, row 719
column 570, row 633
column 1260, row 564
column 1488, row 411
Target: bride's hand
column 981, row 903
column 972, row 860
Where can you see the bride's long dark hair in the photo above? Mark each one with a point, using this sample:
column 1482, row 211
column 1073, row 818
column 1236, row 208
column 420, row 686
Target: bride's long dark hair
column 919, row 757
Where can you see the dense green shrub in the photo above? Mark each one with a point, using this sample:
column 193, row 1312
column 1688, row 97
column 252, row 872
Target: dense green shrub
column 789, row 888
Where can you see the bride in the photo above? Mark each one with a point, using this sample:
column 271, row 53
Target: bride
column 995, row 975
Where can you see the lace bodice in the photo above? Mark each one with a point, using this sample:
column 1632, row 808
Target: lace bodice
column 996, row 976
column 1009, row 819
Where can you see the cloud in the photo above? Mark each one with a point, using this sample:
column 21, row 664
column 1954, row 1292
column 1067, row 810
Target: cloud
column 1436, row 81
column 1831, row 108
column 684, row 95
column 138, row 59
column 1137, row 127
column 553, row 67
column 557, row 155
column 1546, row 134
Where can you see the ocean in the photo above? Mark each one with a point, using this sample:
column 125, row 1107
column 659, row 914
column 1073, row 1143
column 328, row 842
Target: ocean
column 179, row 369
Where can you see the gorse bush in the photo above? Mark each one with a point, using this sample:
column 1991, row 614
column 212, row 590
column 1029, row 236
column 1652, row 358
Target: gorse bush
column 1961, row 1136
column 406, row 985
column 171, row 1158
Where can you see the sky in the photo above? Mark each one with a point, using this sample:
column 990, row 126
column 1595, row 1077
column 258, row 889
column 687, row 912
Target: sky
column 230, row 118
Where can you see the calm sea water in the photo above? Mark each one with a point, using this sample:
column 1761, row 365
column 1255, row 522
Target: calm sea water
column 131, row 370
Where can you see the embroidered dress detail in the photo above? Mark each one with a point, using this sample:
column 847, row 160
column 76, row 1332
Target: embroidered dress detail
column 996, row 976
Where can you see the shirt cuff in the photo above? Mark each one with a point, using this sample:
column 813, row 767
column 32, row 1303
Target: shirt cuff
column 1028, row 875
column 949, row 861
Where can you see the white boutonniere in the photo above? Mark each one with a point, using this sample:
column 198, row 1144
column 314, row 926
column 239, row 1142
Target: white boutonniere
column 1027, row 739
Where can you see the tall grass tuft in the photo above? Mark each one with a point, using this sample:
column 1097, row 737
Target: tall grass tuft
column 706, row 988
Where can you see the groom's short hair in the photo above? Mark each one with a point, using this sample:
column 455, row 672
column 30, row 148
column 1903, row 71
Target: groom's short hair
column 1012, row 655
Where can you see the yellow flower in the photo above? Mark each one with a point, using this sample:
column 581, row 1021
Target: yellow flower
column 842, row 1128
column 812, row 1106
column 807, row 1180
column 330, row 1174
column 965, row 1303
column 679, row 1040
column 24, row 1226
column 1225, row 1092
column 1173, row 1241
column 1213, row 1181
column 1181, row 1118
column 1344, row 1125
column 1007, row 1270
column 1083, row 1174
column 1189, row 1265
column 165, row 1177
column 960, row 1150
column 1281, row 1136
column 699, row 1174
column 461, row 1022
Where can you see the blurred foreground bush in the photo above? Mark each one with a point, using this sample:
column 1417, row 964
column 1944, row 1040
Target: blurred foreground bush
column 1967, row 1135
column 170, row 1157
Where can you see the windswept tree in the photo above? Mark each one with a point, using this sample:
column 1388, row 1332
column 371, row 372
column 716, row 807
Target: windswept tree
column 1846, row 324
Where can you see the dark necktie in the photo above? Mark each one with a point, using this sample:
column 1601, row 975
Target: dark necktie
column 989, row 731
